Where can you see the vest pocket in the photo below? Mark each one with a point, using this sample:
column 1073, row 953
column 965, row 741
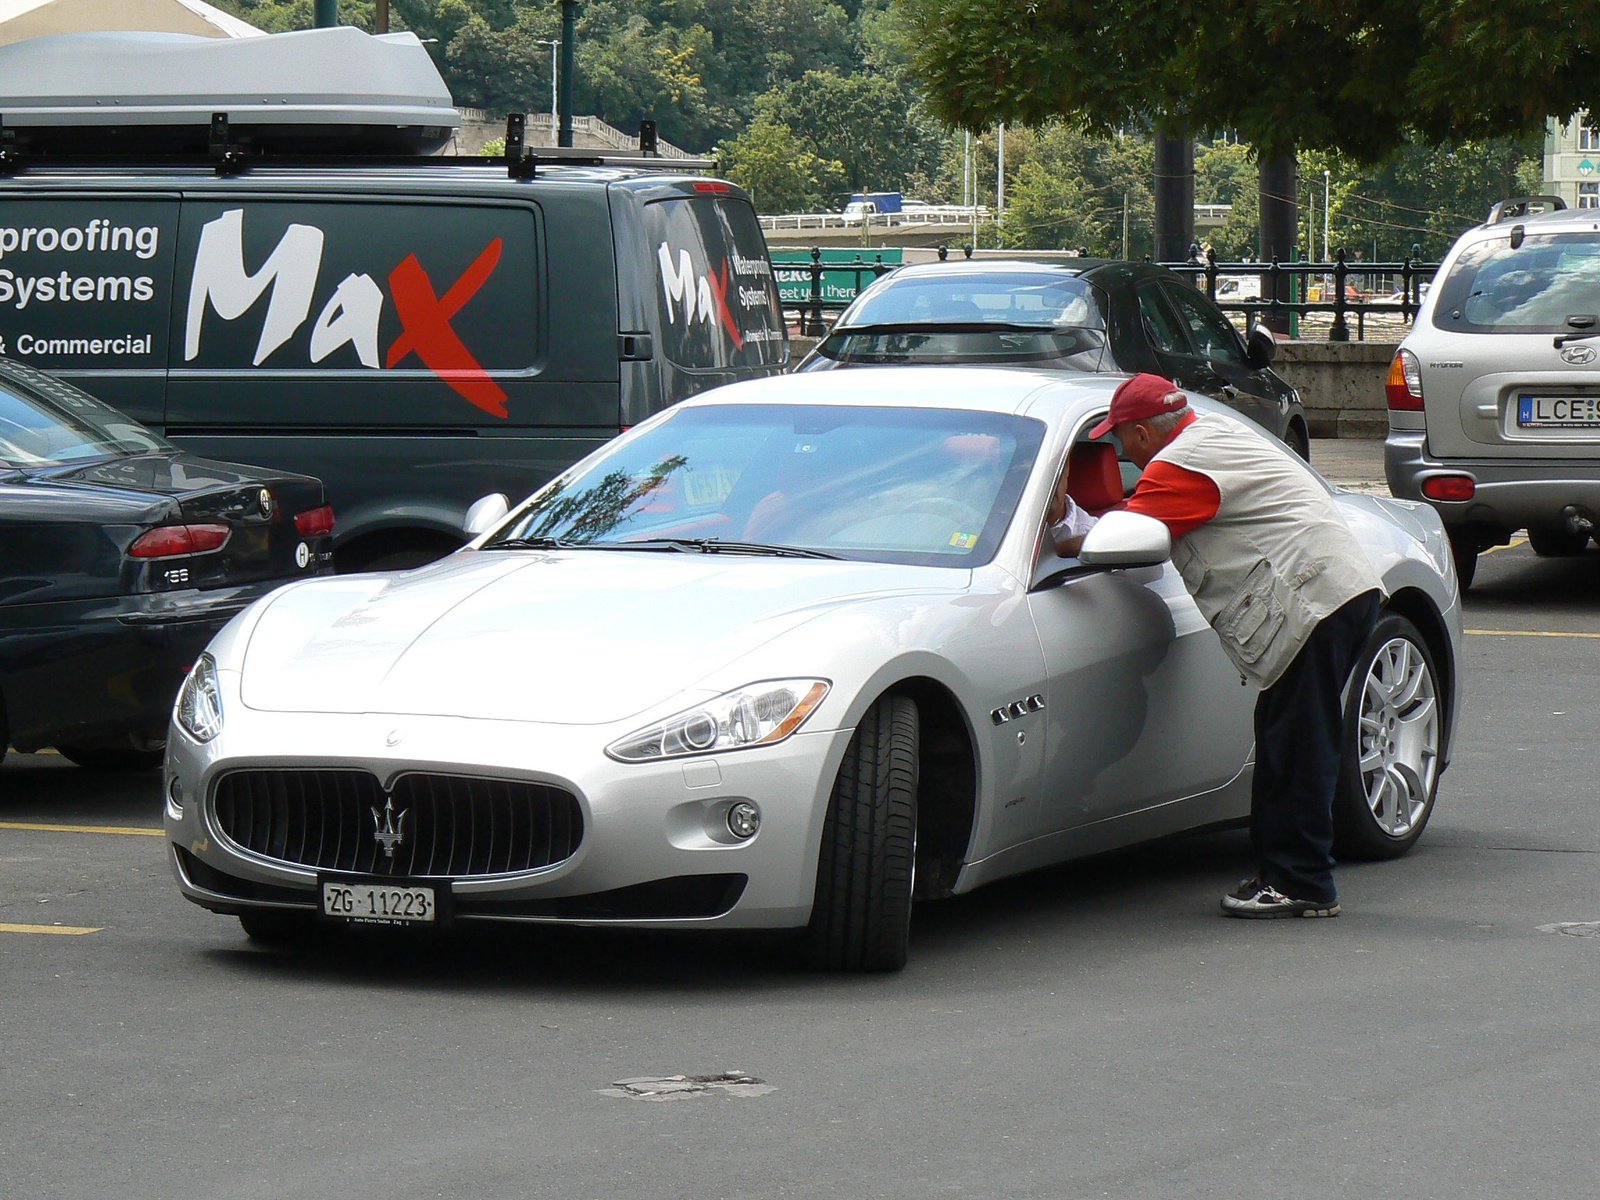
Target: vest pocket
column 1252, row 618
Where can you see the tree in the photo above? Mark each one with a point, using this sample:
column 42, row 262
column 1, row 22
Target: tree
column 1326, row 74
column 781, row 174
column 868, row 124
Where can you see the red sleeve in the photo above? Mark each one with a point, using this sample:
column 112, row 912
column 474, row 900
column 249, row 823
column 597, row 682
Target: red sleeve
column 1181, row 499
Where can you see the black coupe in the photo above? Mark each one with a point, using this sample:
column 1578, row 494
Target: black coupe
column 1080, row 314
column 120, row 557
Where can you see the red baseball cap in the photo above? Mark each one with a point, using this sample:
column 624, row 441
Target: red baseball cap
column 1140, row 398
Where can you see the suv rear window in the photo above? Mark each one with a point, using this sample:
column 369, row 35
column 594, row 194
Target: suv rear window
column 1534, row 288
column 718, row 301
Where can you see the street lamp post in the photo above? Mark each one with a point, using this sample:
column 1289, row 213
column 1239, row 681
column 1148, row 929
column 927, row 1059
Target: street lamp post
column 1327, row 176
column 569, row 33
column 555, row 72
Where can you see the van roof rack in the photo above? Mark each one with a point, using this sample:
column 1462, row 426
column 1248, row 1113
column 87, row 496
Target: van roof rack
column 1524, row 206
column 229, row 155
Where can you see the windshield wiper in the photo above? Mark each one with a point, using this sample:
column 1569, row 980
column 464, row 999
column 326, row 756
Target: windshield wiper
column 714, row 545
column 1562, row 339
column 534, row 543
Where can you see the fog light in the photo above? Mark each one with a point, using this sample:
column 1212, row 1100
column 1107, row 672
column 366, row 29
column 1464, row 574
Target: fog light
column 1449, row 487
column 175, row 792
column 744, row 819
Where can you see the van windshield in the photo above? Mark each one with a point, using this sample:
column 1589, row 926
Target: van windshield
column 1534, row 288
column 928, row 487
column 47, row 423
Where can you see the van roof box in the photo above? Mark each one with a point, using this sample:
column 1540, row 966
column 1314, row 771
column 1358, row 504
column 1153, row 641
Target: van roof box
column 336, row 90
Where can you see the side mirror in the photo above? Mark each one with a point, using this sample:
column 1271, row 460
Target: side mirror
column 1125, row 539
column 486, row 512
column 1260, row 348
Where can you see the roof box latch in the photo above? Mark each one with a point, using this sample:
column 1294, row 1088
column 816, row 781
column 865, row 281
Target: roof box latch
column 228, row 157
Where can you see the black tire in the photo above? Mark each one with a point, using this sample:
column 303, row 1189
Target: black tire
column 861, row 917
column 276, row 927
column 1464, row 547
column 1359, row 831
column 1557, row 542
column 113, row 758
column 1295, row 438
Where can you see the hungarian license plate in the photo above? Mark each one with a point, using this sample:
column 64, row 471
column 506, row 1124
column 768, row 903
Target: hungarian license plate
column 1558, row 412
column 370, row 903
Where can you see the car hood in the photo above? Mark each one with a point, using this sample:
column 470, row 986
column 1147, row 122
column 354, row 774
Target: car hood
column 579, row 638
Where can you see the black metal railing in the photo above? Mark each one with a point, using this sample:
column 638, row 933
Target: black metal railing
column 813, row 274
column 1284, row 286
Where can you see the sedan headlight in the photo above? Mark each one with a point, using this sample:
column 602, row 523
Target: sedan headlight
column 199, row 708
column 759, row 714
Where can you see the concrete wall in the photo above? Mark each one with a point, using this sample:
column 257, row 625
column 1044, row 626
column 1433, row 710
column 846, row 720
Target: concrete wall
column 1340, row 383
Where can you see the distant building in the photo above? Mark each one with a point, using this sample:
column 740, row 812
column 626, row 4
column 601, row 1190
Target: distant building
column 23, row 19
column 1572, row 160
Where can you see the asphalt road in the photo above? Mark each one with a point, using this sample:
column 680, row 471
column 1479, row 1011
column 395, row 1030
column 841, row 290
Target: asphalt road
column 1094, row 1030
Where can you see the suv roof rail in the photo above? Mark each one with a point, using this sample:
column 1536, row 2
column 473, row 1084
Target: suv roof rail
column 1520, row 206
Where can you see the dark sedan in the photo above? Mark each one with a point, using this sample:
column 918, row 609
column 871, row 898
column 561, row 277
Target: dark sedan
column 1085, row 314
column 120, row 557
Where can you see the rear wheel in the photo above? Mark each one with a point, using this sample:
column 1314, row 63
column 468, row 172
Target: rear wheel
column 274, row 926
column 1394, row 730
column 861, row 917
column 113, row 757
column 1464, row 547
column 1556, row 542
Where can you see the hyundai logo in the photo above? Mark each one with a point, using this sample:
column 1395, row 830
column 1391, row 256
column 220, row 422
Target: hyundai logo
column 1578, row 356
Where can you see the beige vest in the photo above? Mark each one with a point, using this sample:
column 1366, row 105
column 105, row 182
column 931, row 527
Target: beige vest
column 1276, row 559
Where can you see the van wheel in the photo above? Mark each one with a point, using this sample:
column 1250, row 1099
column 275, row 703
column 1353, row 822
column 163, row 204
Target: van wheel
column 1557, row 542
column 1464, row 546
column 861, row 917
column 113, row 758
column 1394, row 729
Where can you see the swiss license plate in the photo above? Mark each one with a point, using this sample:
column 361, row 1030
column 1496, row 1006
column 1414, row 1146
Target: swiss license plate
column 365, row 902
column 1558, row 412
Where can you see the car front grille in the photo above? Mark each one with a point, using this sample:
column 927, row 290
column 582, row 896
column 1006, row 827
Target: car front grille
column 343, row 820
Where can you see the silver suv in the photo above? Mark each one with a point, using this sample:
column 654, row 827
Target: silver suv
column 1494, row 397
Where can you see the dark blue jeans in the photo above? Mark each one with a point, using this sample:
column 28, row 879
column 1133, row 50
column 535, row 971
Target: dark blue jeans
column 1299, row 750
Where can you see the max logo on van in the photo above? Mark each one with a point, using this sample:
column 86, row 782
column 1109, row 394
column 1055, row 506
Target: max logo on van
column 351, row 314
column 701, row 296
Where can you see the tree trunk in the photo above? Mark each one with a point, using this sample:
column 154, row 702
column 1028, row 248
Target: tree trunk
column 1280, row 219
column 1174, row 195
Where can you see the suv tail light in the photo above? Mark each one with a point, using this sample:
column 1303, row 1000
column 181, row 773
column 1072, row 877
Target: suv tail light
column 314, row 522
column 1404, row 385
column 169, row 541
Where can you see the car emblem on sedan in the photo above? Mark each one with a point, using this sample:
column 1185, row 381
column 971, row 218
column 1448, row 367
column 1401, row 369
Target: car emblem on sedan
column 1578, row 356
column 265, row 502
column 390, row 830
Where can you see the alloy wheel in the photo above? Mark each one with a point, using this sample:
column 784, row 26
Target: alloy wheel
column 1399, row 730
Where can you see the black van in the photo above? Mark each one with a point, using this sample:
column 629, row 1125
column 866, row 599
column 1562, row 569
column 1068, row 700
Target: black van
column 415, row 334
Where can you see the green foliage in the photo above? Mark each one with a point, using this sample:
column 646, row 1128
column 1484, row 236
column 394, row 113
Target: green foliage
column 866, row 123
column 1326, row 74
column 775, row 166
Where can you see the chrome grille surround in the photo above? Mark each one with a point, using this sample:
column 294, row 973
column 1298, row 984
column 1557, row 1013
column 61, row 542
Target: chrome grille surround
column 456, row 826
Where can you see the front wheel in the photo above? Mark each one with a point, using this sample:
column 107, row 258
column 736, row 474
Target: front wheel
column 1394, row 731
column 861, row 917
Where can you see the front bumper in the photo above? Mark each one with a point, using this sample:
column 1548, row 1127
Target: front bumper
column 655, row 850
column 1510, row 493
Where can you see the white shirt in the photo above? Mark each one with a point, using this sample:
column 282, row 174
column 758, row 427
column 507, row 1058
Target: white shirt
column 1074, row 523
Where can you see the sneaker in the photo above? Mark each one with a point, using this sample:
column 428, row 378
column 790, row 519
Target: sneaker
column 1255, row 898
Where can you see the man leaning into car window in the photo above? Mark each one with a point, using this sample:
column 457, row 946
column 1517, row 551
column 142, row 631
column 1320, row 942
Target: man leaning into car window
column 1273, row 567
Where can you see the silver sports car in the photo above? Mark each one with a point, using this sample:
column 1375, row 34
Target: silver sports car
column 792, row 654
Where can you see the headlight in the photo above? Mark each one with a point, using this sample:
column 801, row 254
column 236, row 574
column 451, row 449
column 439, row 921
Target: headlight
column 759, row 714
column 199, row 708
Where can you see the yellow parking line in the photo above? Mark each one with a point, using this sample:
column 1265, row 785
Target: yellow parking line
column 128, row 830
column 68, row 929
column 1528, row 633
column 1511, row 545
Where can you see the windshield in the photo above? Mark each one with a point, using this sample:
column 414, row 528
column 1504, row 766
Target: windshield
column 926, row 487
column 1533, row 288
column 47, row 423
column 958, row 318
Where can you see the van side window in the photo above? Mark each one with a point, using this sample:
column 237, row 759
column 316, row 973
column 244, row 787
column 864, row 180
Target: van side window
column 717, row 299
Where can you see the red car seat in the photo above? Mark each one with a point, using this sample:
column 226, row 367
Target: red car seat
column 1094, row 479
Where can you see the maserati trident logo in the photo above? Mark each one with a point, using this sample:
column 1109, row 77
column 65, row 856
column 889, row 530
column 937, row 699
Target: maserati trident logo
column 1578, row 356
column 391, row 829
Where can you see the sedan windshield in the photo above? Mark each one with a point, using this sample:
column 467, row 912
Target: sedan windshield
column 47, row 423
column 930, row 487
column 999, row 318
